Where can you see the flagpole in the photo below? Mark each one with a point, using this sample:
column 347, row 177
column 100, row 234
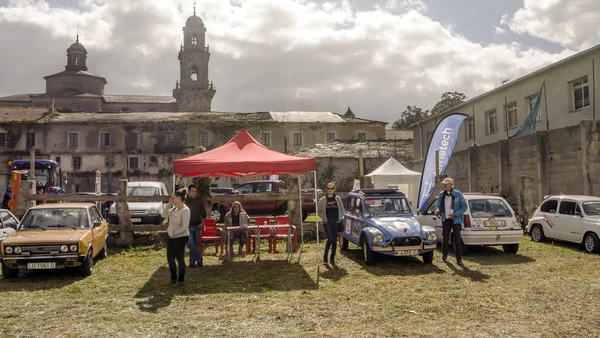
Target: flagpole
column 546, row 106
column 474, row 133
column 506, row 115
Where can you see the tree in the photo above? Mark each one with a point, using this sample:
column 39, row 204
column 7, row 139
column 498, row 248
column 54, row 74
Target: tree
column 411, row 115
column 448, row 100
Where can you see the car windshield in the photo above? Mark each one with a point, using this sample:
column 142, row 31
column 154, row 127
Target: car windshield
column 387, row 206
column 486, row 208
column 142, row 191
column 591, row 208
column 49, row 218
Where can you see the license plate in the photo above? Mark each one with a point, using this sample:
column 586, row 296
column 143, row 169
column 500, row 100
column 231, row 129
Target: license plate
column 50, row 265
column 136, row 220
column 407, row 253
column 493, row 224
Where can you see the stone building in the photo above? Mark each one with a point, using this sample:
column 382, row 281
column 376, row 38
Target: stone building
column 146, row 145
column 76, row 89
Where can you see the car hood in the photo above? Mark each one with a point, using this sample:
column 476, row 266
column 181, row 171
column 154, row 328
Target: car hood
column 397, row 226
column 143, row 205
column 48, row 236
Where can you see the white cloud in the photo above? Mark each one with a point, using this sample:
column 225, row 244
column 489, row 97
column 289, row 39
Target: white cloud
column 266, row 54
column 571, row 23
column 499, row 30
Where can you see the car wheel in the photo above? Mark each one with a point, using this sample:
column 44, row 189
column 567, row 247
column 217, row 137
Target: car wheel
column 218, row 213
column 104, row 253
column 9, row 273
column 87, row 267
column 510, row 248
column 537, row 233
column 343, row 243
column 368, row 254
column 428, row 257
column 591, row 242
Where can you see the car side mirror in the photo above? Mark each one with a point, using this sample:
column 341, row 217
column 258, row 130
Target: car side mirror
column 97, row 224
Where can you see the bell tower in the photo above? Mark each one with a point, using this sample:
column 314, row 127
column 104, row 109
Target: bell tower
column 76, row 57
column 193, row 91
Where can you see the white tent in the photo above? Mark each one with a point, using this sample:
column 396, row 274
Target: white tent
column 392, row 174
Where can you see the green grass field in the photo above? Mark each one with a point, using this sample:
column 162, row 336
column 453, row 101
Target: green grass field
column 546, row 290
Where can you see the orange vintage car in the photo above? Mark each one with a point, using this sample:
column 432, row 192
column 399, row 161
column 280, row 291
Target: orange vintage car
column 56, row 236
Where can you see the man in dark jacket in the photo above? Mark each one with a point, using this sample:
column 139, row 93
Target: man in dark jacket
column 452, row 206
column 197, row 208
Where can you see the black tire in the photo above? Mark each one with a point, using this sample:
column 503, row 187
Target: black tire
column 368, row 254
column 304, row 216
column 343, row 243
column 510, row 248
column 218, row 213
column 87, row 267
column 428, row 257
column 537, row 233
column 591, row 242
column 9, row 273
column 104, row 253
column 282, row 209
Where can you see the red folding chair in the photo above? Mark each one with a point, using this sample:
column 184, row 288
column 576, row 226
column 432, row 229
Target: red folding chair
column 263, row 233
column 210, row 232
column 282, row 233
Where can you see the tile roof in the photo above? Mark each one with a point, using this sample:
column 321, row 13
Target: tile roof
column 371, row 149
column 390, row 134
column 306, row 116
column 153, row 117
column 18, row 97
column 22, row 114
column 138, row 99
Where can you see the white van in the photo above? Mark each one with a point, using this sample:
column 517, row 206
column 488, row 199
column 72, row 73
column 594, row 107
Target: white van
column 489, row 221
column 143, row 212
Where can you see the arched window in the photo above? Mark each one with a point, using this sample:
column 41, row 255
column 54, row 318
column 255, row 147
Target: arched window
column 194, row 40
column 194, row 74
column 76, row 60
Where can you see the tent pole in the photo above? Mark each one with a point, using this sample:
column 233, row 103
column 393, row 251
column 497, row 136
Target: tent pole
column 317, row 228
column 301, row 215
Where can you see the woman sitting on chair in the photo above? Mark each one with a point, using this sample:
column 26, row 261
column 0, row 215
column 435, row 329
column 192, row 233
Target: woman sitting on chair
column 234, row 218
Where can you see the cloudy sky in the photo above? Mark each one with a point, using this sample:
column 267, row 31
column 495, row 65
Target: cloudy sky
column 377, row 56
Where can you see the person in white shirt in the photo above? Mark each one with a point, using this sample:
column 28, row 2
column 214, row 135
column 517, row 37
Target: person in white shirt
column 179, row 219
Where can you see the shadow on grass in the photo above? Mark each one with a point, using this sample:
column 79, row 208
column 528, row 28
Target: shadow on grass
column 465, row 271
column 229, row 277
column 397, row 266
column 488, row 255
column 41, row 280
column 334, row 273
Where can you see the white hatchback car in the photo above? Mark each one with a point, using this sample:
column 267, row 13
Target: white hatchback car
column 568, row 218
column 489, row 221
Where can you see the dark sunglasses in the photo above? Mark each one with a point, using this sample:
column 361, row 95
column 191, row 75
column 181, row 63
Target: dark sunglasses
column 329, row 188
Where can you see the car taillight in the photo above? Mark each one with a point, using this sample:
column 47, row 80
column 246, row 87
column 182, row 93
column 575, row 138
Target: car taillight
column 467, row 221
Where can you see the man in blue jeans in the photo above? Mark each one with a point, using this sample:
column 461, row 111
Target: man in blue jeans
column 197, row 208
column 452, row 206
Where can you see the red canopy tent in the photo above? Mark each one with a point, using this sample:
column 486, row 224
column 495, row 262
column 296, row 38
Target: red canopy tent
column 242, row 156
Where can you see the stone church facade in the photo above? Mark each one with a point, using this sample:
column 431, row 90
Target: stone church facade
column 76, row 89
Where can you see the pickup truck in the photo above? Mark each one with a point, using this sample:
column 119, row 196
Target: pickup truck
column 261, row 208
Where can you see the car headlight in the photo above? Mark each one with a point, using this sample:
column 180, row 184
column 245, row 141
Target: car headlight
column 18, row 250
column 431, row 236
column 378, row 238
column 64, row 248
column 8, row 250
column 73, row 248
column 153, row 211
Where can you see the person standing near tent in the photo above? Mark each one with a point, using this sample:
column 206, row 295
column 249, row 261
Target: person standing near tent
column 179, row 220
column 197, row 217
column 451, row 204
column 237, row 217
column 331, row 210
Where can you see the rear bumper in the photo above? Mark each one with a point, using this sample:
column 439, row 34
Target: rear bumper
column 145, row 219
column 62, row 262
column 484, row 237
